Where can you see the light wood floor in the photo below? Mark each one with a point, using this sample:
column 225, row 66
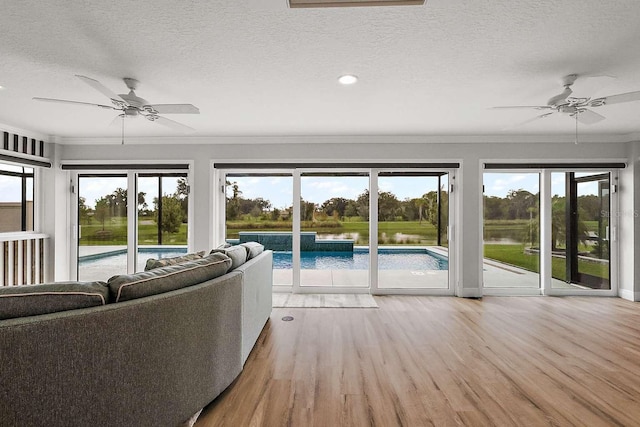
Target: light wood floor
column 421, row 361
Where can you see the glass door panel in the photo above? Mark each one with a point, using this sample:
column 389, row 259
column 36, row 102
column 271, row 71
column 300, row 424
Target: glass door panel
column 259, row 207
column 102, row 226
column 511, row 230
column 412, row 230
column 163, row 201
column 580, row 230
column 334, row 240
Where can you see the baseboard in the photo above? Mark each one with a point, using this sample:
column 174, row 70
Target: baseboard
column 506, row 292
column 628, row 294
column 470, row 293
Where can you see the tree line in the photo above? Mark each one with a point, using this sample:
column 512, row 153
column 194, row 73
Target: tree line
column 114, row 205
column 390, row 208
column 522, row 204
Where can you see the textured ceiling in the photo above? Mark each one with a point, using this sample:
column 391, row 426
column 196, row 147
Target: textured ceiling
column 257, row 67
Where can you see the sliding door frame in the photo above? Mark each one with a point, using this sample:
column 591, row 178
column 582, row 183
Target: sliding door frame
column 546, row 195
column 131, row 175
column 296, row 171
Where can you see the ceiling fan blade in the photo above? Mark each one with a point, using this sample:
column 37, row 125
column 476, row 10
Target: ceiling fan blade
column 533, row 119
column 175, row 108
column 101, row 88
column 171, row 124
column 615, row 99
column 587, row 86
column 64, row 101
column 535, row 107
column 589, row 117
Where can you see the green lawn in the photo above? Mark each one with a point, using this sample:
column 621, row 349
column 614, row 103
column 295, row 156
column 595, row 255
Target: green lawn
column 423, row 233
column 115, row 233
column 515, row 255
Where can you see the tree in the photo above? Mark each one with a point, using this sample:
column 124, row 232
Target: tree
column 335, row 206
column 362, row 205
column 519, row 202
column 142, row 203
column 388, row 206
column 494, row 207
column 171, row 214
column 306, row 210
column 83, row 210
column 233, row 202
column 102, row 211
column 118, row 201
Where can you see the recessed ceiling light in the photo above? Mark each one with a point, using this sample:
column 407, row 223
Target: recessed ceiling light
column 348, row 79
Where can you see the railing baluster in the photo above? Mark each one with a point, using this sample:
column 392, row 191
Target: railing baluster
column 29, row 262
column 10, row 262
column 3, row 252
column 23, row 259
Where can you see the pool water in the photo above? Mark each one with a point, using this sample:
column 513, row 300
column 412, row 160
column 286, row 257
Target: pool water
column 388, row 259
column 119, row 257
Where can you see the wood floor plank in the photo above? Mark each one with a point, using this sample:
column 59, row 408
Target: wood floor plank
column 421, row 361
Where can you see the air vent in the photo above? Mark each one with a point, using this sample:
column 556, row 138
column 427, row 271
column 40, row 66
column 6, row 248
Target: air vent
column 353, row 3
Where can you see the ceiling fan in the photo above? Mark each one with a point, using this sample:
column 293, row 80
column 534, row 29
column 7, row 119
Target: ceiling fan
column 132, row 105
column 577, row 108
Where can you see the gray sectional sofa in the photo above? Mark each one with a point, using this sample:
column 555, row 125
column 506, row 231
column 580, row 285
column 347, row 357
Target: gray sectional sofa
column 148, row 352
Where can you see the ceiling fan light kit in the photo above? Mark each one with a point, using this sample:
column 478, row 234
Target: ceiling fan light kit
column 131, row 105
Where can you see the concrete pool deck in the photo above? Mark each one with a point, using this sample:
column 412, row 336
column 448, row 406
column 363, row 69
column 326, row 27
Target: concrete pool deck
column 496, row 275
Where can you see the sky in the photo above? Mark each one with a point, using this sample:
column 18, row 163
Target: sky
column 93, row 189
column 279, row 190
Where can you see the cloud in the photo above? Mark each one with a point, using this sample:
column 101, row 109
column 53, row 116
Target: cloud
column 499, row 184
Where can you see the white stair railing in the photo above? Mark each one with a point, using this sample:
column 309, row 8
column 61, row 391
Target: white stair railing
column 23, row 258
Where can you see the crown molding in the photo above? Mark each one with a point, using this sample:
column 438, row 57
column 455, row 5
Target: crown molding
column 353, row 139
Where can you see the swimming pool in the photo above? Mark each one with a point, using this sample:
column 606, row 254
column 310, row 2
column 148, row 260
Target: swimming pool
column 388, row 259
column 119, row 257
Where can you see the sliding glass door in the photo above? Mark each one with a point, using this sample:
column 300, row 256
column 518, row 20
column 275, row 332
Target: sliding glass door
column 162, row 216
column 511, row 230
column 580, row 242
column 320, row 223
column 124, row 219
column 102, row 226
column 334, row 224
column 259, row 207
column 569, row 230
column 413, row 213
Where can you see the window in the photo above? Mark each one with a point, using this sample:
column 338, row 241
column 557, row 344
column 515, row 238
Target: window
column 16, row 198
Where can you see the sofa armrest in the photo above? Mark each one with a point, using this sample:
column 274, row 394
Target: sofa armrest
column 257, row 288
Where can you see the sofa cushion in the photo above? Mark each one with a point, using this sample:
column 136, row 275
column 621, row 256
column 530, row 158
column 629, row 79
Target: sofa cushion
column 31, row 300
column 163, row 262
column 253, row 249
column 238, row 255
column 164, row 279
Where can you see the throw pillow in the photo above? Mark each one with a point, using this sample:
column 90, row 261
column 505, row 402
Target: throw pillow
column 31, row 300
column 253, row 249
column 238, row 255
column 164, row 279
column 163, row 262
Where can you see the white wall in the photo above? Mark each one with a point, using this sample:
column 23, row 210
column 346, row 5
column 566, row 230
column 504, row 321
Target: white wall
column 397, row 149
column 629, row 214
